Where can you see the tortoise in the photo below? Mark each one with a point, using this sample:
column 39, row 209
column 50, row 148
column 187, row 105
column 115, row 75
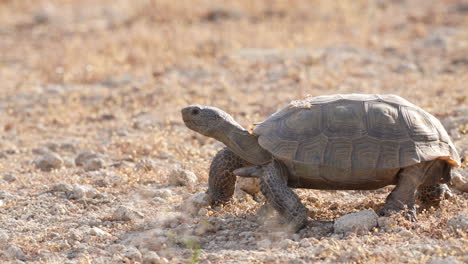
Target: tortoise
column 331, row 142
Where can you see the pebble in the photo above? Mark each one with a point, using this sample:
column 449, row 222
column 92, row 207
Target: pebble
column 405, row 233
column 40, row 151
column 384, row 222
column 48, row 162
column 98, row 232
column 151, row 257
column 93, row 164
column 68, row 162
column 84, row 156
column 68, row 147
column 359, row 222
column 76, row 191
column 459, row 222
column 204, row 227
column 197, row 201
column 285, row 243
column 16, row 252
column 51, row 146
column 9, row 177
column 161, row 193
column 248, row 185
column 264, row 244
column 4, row 236
column 459, row 181
column 79, row 192
column 181, row 177
column 124, row 213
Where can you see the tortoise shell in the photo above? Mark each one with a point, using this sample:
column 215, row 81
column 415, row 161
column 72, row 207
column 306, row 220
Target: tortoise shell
column 355, row 131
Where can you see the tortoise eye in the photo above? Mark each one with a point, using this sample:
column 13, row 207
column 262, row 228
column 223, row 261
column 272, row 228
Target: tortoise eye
column 195, row 112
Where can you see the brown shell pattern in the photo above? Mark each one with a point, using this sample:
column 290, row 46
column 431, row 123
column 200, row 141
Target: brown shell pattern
column 356, row 131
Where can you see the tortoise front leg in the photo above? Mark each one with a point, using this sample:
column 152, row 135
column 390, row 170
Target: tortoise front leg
column 221, row 181
column 274, row 186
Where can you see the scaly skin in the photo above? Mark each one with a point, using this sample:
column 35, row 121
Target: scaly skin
column 432, row 195
column 221, row 181
column 274, row 186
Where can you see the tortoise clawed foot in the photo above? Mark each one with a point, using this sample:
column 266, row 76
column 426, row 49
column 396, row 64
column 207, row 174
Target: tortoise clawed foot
column 409, row 214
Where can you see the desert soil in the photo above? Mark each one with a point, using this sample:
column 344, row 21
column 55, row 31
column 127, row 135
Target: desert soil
column 96, row 165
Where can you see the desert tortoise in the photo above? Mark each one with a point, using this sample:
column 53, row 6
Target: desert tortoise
column 336, row 142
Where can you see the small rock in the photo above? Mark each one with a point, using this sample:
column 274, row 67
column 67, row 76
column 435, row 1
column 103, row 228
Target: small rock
column 76, row 191
column 58, row 209
column 266, row 243
column 48, row 162
column 51, row 146
column 61, row 187
column 181, row 177
column 84, row 156
column 9, row 177
column 459, row 222
column 384, row 222
column 122, row 133
column 132, row 253
column 249, row 185
column 68, row 147
column 3, row 236
column 161, row 193
column 124, row 213
column 204, row 227
column 3, row 155
column 40, row 151
column 80, row 192
column 285, row 243
column 459, row 182
column 151, row 257
column 359, row 222
column 196, row 202
column 116, row 248
column 93, row 164
column 447, row 260
column 218, row 14
column 98, row 232
column 203, row 212
column 16, row 252
column 68, row 162
column 405, row 233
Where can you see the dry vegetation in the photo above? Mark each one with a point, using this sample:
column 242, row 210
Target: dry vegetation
column 111, row 75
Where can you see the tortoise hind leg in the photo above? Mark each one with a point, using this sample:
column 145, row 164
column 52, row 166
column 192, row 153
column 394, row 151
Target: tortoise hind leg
column 221, row 181
column 404, row 194
column 432, row 195
column 274, row 187
column 432, row 191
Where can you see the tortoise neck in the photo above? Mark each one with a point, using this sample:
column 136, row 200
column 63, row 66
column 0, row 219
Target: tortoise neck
column 242, row 143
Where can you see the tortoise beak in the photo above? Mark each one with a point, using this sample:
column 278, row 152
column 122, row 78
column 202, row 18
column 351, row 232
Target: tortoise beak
column 189, row 112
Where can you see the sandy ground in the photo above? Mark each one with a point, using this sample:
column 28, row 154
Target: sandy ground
column 92, row 142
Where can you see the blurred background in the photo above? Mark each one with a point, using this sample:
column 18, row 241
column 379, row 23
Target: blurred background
column 89, row 68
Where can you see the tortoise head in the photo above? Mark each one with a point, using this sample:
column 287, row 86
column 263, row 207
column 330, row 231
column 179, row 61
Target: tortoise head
column 207, row 120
